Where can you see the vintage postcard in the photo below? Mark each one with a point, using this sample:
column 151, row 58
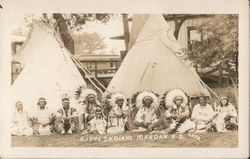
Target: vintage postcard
column 116, row 79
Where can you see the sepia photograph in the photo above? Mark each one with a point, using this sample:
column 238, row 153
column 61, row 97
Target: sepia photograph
column 125, row 80
column 98, row 80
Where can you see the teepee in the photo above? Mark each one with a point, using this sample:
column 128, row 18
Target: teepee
column 48, row 70
column 137, row 24
column 152, row 63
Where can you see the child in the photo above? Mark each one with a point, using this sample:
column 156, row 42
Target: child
column 98, row 123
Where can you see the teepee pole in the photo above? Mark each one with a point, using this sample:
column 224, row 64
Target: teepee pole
column 93, row 77
column 85, row 71
column 210, row 89
column 88, row 76
column 77, row 62
column 144, row 72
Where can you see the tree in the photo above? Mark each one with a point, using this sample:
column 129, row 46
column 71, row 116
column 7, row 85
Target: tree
column 64, row 32
column 75, row 22
column 219, row 45
column 88, row 43
column 66, row 23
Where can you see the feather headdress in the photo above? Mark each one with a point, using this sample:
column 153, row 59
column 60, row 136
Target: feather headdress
column 147, row 94
column 172, row 95
column 117, row 96
column 82, row 94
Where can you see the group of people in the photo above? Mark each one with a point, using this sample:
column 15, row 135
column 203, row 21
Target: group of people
column 174, row 112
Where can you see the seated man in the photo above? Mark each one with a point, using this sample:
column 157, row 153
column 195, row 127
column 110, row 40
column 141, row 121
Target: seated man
column 174, row 111
column 202, row 115
column 67, row 117
column 98, row 124
column 42, row 118
column 227, row 115
column 20, row 121
column 146, row 103
column 119, row 110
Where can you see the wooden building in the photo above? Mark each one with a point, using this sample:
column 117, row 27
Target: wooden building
column 102, row 66
column 214, row 76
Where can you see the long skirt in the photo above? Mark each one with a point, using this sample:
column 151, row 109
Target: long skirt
column 21, row 130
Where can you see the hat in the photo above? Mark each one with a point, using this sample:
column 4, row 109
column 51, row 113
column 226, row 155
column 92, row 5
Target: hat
column 147, row 97
column 91, row 95
column 119, row 98
column 42, row 99
column 116, row 97
column 173, row 95
column 86, row 93
column 202, row 95
column 179, row 97
column 65, row 98
column 98, row 111
column 19, row 103
column 224, row 97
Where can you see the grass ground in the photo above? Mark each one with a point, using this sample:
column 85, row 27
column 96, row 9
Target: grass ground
column 220, row 140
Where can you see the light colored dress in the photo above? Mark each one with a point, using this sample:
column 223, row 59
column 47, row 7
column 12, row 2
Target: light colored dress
column 43, row 117
column 99, row 125
column 202, row 115
column 222, row 112
column 206, row 113
column 19, row 124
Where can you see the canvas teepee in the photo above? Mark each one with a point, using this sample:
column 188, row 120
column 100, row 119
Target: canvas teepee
column 48, row 70
column 137, row 24
column 152, row 63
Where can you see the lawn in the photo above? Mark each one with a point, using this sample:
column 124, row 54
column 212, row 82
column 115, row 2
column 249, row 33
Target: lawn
column 131, row 139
